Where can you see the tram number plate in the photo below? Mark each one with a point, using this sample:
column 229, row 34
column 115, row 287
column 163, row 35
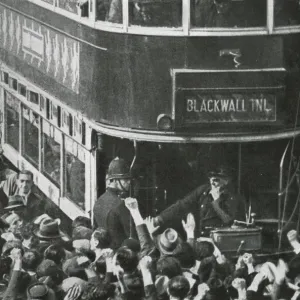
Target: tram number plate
column 201, row 107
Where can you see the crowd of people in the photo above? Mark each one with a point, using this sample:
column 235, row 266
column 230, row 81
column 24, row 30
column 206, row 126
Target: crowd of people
column 38, row 261
column 148, row 259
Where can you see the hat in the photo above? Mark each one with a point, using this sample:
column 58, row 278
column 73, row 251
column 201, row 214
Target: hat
column 118, row 169
column 161, row 284
column 44, row 267
column 68, row 283
column 14, row 202
column 168, row 242
column 40, row 291
column 49, row 229
column 221, row 171
column 82, row 233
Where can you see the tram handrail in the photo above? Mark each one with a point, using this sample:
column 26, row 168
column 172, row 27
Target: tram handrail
column 184, row 30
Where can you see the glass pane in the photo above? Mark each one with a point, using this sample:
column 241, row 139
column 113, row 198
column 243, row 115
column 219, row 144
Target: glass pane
column 12, row 123
column 102, row 11
column 286, row 12
column 75, row 180
column 31, row 142
column 228, row 13
column 51, row 159
column 69, row 5
column 114, row 11
column 157, row 13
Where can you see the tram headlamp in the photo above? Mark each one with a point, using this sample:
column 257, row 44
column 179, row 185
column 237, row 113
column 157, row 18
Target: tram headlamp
column 164, row 122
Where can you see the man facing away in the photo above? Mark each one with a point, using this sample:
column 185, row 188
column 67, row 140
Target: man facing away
column 118, row 184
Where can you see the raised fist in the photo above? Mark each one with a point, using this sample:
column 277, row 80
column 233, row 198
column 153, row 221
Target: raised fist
column 239, row 283
column 131, row 203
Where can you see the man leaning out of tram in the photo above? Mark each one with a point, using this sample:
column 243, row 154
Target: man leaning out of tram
column 214, row 204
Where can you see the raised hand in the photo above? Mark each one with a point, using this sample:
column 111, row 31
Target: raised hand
column 247, row 258
column 145, row 263
column 73, row 293
column 190, row 224
column 239, row 283
column 150, row 225
column 202, row 291
column 131, row 203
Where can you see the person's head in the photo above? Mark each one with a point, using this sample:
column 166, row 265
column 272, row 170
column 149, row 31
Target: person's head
column 168, row 266
column 203, row 249
column 15, row 222
column 118, row 175
column 126, row 259
column 27, row 230
column 5, row 265
column 178, row 287
column 219, row 177
column 82, row 221
column 25, row 182
column 186, row 256
column 31, row 260
column 48, row 268
column 100, row 239
column 222, row 6
column 56, row 253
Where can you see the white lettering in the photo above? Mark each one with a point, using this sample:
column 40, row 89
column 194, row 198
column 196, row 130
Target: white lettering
column 189, row 105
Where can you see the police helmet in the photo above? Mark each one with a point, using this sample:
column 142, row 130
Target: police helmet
column 118, row 169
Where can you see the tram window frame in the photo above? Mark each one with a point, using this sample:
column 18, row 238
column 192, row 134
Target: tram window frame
column 22, row 90
column 52, row 133
column 5, row 77
column 30, row 97
column 32, row 119
column 15, row 108
column 73, row 148
column 13, row 83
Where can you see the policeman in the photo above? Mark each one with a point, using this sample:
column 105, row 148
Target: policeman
column 118, row 181
column 213, row 205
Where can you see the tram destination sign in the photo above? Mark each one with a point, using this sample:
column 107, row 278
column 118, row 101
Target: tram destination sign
column 194, row 107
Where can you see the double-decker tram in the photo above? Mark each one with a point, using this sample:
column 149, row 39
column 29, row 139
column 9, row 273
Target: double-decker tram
column 176, row 87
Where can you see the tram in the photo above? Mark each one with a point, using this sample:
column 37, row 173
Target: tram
column 173, row 86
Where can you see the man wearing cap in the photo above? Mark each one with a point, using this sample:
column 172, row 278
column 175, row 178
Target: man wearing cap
column 213, row 204
column 118, row 185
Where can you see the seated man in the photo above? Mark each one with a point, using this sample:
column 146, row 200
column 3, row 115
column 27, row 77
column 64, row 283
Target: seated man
column 213, row 204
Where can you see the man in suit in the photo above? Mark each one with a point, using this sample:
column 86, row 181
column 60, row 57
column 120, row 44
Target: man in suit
column 22, row 184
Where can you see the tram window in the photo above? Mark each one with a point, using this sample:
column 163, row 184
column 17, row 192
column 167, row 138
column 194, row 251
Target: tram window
column 12, row 123
column 286, row 12
column 75, row 179
column 83, row 134
column 69, row 5
column 114, row 12
column 58, row 116
column 102, row 10
column 33, row 97
column 31, row 141
column 51, row 161
column 13, row 83
column 5, row 77
column 156, row 13
column 22, row 90
column 228, row 13
column 70, row 122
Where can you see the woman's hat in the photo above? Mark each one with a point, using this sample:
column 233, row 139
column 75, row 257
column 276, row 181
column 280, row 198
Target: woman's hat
column 168, row 242
column 14, row 202
column 49, row 229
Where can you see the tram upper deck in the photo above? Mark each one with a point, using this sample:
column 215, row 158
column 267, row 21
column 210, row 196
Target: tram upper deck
column 162, row 82
column 179, row 17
